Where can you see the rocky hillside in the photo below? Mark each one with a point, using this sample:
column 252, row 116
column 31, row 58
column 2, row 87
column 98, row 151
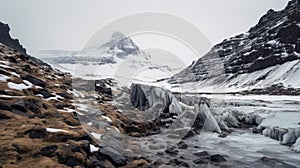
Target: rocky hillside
column 44, row 125
column 266, row 56
column 33, row 130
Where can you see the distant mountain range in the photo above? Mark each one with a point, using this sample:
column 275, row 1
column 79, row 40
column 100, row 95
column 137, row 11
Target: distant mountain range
column 119, row 57
column 261, row 60
column 118, row 47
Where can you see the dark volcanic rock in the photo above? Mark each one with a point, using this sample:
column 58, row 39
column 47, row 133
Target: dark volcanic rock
column 33, row 105
column 48, row 150
column 70, row 160
column 172, row 151
column 46, row 94
column 34, row 80
column 176, row 162
column 182, row 145
column 19, row 106
column 113, row 155
column 6, row 39
column 201, row 161
column 201, row 154
column 37, row 133
column 4, row 106
column 217, row 158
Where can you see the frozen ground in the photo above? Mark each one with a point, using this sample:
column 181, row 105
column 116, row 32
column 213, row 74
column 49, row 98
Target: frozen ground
column 246, row 148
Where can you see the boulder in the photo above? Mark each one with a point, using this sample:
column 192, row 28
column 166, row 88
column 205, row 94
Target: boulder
column 178, row 163
column 172, row 151
column 217, row 158
column 48, row 150
column 113, row 155
column 201, row 154
column 37, row 133
column 182, row 145
column 34, row 80
column 4, row 106
column 19, row 106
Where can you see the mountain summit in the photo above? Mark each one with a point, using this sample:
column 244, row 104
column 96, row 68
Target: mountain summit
column 120, row 46
column 266, row 56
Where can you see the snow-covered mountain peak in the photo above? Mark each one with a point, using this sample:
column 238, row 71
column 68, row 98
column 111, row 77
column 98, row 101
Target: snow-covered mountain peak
column 118, row 35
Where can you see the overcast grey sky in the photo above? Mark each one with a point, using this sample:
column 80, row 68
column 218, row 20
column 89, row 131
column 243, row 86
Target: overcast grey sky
column 68, row 24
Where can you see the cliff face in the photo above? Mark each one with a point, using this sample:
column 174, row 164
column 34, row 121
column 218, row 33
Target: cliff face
column 269, row 46
column 7, row 40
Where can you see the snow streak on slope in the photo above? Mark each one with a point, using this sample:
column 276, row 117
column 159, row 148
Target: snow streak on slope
column 286, row 74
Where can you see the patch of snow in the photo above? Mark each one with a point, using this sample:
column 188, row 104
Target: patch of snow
column 93, row 148
column 5, row 66
column 7, row 96
column 28, row 83
column 5, row 62
column 272, row 42
column 56, row 97
column 55, row 130
column 107, row 119
column 76, row 93
column 15, row 74
column 19, row 87
column 39, row 95
column 81, row 107
column 282, row 120
column 3, row 78
column 97, row 136
column 117, row 129
column 68, row 110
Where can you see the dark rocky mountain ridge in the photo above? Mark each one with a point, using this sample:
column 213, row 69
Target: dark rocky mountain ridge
column 275, row 40
column 7, row 40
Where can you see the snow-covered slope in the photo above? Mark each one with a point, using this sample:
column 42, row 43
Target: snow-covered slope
column 267, row 56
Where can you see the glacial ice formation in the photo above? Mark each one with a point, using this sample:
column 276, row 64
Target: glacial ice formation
column 281, row 126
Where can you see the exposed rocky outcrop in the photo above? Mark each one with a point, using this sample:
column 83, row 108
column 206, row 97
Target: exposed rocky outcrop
column 7, row 40
column 33, row 131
